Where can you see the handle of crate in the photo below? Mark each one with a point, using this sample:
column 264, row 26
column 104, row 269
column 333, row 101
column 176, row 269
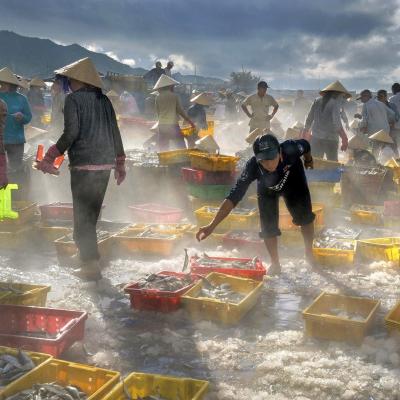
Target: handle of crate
column 69, row 325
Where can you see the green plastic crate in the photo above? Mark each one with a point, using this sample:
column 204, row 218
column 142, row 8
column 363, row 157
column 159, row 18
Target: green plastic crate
column 208, row 192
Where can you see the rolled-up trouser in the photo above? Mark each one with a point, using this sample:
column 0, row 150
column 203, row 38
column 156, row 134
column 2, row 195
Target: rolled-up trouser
column 321, row 147
column 297, row 199
column 88, row 191
column 170, row 138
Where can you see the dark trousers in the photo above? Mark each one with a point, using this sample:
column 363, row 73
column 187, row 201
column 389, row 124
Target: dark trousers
column 88, row 191
column 297, row 199
column 321, row 147
column 170, row 138
column 15, row 156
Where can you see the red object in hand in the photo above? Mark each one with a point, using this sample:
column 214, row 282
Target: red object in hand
column 58, row 161
column 40, row 153
column 47, row 165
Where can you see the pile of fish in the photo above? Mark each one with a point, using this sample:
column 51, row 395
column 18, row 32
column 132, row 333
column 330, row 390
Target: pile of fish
column 142, row 158
column 235, row 211
column 101, row 235
column 49, row 391
column 332, row 243
column 13, row 367
column 337, row 312
column 164, row 283
column 340, row 233
column 248, row 236
column 222, row 292
column 207, row 261
column 150, row 234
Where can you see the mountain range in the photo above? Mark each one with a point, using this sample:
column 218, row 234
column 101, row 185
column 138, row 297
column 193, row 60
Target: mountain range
column 28, row 56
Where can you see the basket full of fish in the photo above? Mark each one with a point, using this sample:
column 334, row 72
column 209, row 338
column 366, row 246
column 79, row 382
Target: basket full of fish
column 334, row 252
column 62, row 380
column 222, row 298
column 367, row 214
column 23, row 294
column 244, row 240
column 160, row 292
column 45, row 330
column 15, row 364
column 251, row 268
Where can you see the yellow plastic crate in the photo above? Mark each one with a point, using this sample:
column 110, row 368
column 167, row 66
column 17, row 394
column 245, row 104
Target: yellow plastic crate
column 33, row 295
column 320, row 163
column 216, row 310
column 188, row 130
column 213, row 162
column 392, row 319
column 15, row 238
column 141, row 385
column 52, row 233
column 321, row 324
column 366, row 217
column 395, row 166
column 176, row 156
column 285, row 219
column 245, row 222
column 171, row 229
column 334, row 257
column 37, row 358
column 379, row 249
column 95, row 382
column 199, row 203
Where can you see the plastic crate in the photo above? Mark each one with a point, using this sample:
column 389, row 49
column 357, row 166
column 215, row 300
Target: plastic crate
column 199, row 177
column 15, row 238
column 50, row 233
column 248, row 221
column 179, row 156
column 57, row 211
column 320, row 163
column 95, row 382
column 319, row 323
column 391, row 208
column 37, row 358
column 171, row 229
column 208, row 192
column 367, row 217
column 334, row 257
column 142, row 385
column 286, row 220
column 379, row 249
column 254, row 244
column 213, row 163
column 33, row 295
column 218, row 311
column 155, row 213
column 392, row 319
column 324, row 175
column 157, row 300
column 129, row 242
column 257, row 273
column 26, row 213
column 69, row 326
column 197, row 203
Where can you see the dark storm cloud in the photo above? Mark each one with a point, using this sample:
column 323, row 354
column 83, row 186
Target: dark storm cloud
column 269, row 36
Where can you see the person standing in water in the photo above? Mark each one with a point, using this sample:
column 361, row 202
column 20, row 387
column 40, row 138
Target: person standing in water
column 93, row 141
column 279, row 171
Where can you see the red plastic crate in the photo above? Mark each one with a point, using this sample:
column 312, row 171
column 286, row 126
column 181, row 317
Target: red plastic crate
column 58, row 211
column 157, row 300
column 258, row 246
column 15, row 320
column 391, row 208
column 256, row 274
column 155, row 213
column 200, row 177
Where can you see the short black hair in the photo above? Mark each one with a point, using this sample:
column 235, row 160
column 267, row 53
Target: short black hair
column 381, row 92
column 262, row 84
column 396, row 87
column 366, row 91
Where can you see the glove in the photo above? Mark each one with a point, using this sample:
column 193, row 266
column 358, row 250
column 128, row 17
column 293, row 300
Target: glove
column 3, row 171
column 120, row 171
column 46, row 165
column 345, row 143
column 309, row 163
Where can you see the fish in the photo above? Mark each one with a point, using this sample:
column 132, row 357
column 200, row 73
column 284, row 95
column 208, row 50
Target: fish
column 164, row 283
column 10, row 288
column 150, row 234
column 340, row 232
column 13, row 367
column 211, row 262
column 235, row 211
column 332, row 243
column 222, row 292
column 186, row 261
column 49, row 391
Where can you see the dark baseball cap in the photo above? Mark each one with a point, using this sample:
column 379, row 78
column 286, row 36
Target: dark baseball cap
column 266, row 147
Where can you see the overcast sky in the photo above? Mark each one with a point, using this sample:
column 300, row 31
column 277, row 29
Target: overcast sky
column 291, row 44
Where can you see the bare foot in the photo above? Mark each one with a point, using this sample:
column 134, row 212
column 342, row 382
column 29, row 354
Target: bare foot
column 274, row 269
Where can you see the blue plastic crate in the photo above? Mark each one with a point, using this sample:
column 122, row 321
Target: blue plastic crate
column 324, row 175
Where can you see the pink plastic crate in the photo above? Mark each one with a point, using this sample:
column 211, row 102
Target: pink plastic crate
column 155, row 213
column 16, row 322
column 58, row 211
column 256, row 273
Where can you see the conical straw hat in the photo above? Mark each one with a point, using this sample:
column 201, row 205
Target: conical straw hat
column 253, row 135
column 298, row 125
column 202, row 99
column 83, row 71
column 336, row 87
column 7, row 76
column 23, row 83
column 37, row 82
column 358, row 142
column 207, row 144
column 165, row 81
column 291, row 133
column 354, row 124
column 112, row 93
column 381, row 136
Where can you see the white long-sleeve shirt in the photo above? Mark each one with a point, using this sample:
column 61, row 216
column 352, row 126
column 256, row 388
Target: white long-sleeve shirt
column 395, row 99
column 376, row 116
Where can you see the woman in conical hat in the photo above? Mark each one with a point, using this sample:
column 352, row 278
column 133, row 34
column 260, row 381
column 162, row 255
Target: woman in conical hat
column 93, row 141
column 19, row 114
column 324, row 122
column 169, row 110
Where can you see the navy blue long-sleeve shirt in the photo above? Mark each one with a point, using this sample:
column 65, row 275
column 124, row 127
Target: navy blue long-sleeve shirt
column 292, row 151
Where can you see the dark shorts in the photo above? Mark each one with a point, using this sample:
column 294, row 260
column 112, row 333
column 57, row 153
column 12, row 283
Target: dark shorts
column 323, row 147
column 297, row 199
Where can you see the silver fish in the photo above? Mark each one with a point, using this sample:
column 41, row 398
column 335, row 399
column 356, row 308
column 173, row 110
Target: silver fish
column 13, row 367
column 49, row 391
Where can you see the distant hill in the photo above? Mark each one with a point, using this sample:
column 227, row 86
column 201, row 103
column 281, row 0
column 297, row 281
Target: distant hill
column 30, row 57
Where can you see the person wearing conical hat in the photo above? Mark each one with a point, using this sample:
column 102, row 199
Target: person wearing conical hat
column 324, row 122
column 36, row 100
column 359, row 154
column 19, row 115
column 382, row 146
column 375, row 115
column 169, row 110
column 93, row 141
column 197, row 113
column 300, row 106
